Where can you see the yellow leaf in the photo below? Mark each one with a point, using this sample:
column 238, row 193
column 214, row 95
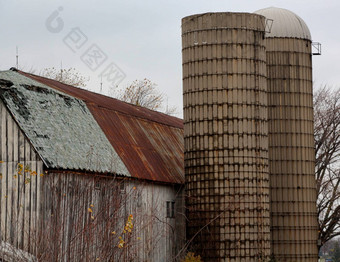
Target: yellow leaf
column 90, row 210
column 91, row 205
column 27, row 168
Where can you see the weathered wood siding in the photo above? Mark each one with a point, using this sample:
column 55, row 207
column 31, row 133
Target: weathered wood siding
column 64, row 216
column 19, row 191
column 85, row 216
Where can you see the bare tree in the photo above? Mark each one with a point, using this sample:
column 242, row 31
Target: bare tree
column 327, row 154
column 144, row 93
column 68, row 76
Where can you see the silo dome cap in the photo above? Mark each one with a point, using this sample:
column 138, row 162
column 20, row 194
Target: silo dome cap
column 285, row 23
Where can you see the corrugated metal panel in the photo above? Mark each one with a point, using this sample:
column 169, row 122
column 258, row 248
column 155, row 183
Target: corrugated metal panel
column 285, row 23
column 291, row 150
column 110, row 103
column 226, row 136
column 149, row 150
column 60, row 127
column 149, row 143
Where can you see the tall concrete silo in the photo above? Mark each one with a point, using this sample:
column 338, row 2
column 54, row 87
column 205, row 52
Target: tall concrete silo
column 291, row 142
column 226, row 136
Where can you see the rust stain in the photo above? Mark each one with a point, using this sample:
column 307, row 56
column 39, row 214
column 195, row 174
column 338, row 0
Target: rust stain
column 149, row 143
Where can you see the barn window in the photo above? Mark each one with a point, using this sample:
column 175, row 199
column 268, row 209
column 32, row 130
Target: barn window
column 170, row 209
column 139, row 199
column 97, row 186
column 122, row 186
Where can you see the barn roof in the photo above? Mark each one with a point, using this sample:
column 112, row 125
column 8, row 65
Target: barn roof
column 60, row 127
column 149, row 143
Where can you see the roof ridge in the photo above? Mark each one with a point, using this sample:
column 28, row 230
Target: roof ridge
column 139, row 117
column 135, row 142
column 137, row 111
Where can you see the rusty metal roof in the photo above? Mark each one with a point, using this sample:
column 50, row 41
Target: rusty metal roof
column 60, row 127
column 149, row 143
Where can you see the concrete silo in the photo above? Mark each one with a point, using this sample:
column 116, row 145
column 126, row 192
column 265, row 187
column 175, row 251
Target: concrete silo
column 291, row 142
column 226, row 136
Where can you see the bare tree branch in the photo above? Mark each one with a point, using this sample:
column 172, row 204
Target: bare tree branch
column 327, row 161
column 144, row 93
column 67, row 76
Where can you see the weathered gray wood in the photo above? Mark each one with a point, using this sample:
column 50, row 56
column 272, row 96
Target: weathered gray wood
column 88, row 235
column 17, row 219
column 48, row 216
column 9, row 175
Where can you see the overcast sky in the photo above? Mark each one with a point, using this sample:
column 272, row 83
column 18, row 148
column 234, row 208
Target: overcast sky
column 138, row 39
